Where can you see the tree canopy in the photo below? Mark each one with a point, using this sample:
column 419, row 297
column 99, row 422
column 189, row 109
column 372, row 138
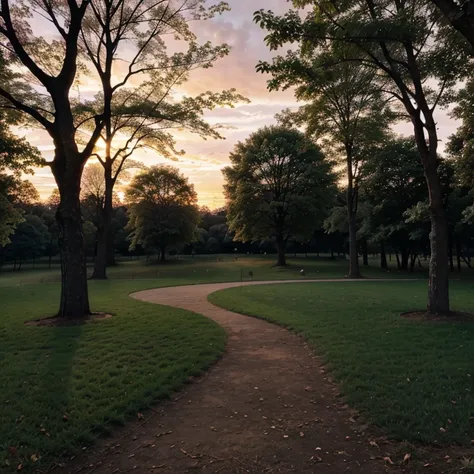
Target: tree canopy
column 162, row 209
column 279, row 186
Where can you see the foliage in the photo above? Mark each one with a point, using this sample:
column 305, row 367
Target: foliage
column 461, row 144
column 393, row 183
column 418, row 60
column 162, row 209
column 279, row 186
column 407, row 377
column 29, row 240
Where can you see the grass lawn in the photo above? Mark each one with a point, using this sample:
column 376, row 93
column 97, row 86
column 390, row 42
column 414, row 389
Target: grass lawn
column 96, row 375
column 410, row 378
column 99, row 374
column 215, row 268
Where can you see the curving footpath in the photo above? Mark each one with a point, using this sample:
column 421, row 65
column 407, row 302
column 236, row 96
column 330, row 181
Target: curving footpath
column 266, row 407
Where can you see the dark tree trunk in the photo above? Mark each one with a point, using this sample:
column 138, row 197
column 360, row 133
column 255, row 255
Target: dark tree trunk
column 383, row 257
column 405, row 254
column 163, row 254
column 354, row 270
column 365, row 255
column 103, row 232
column 413, row 262
column 399, row 266
column 280, row 245
column 74, row 294
column 438, row 288
column 111, row 247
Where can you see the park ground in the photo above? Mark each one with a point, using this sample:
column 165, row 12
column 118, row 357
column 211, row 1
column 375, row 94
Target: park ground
column 64, row 387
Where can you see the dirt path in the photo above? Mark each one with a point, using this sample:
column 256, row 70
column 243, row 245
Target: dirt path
column 266, row 407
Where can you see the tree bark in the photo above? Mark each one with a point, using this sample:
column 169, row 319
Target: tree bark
column 103, row 232
column 280, row 245
column 383, row 257
column 163, row 254
column 74, row 301
column 438, row 287
column 354, row 269
column 399, row 266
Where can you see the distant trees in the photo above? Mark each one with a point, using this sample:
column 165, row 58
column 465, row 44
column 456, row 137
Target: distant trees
column 345, row 112
column 278, row 186
column 163, row 210
column 418, row 60
column 393, row 183
column 121, row 43
column 16, row 156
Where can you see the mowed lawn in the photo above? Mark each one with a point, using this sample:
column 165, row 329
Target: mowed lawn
column 413, row 379
column 62, row 387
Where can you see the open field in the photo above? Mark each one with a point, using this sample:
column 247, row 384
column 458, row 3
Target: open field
column 62, row 387
column 414, row 379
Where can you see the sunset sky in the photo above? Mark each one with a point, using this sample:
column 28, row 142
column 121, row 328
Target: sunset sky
column 204, row 160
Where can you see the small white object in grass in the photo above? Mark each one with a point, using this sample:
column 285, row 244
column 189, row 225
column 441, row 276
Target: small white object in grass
column 302, row 273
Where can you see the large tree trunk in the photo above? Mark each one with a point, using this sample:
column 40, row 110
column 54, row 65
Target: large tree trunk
column 280, row 245
column 163, row 253
column 438, row 292
column 103, row 237
column 74, row 294
column 383, row 257
column 354, row 270
column 111, row 245
column 438, row 288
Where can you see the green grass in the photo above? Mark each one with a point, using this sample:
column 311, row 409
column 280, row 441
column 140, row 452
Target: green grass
column 102, row 373
column 214, row 268
column 408, row 377
column 96, row 374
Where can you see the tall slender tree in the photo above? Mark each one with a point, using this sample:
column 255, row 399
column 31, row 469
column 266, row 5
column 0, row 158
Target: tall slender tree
column 137, row 116
column 345, row 111
column 419, row 58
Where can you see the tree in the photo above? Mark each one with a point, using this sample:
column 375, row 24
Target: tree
column 393, row 182
column 460, row 15
column 97, row 36
column 16, row 156
column 163, row 209
column 51, row 67
column 345, row 107
column 146, row 110
column 279, row 186
column 93, row 194
column 29, row 240
column 418, row 58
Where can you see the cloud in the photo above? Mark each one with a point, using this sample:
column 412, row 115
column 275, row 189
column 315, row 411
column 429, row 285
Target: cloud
column 204, row 159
